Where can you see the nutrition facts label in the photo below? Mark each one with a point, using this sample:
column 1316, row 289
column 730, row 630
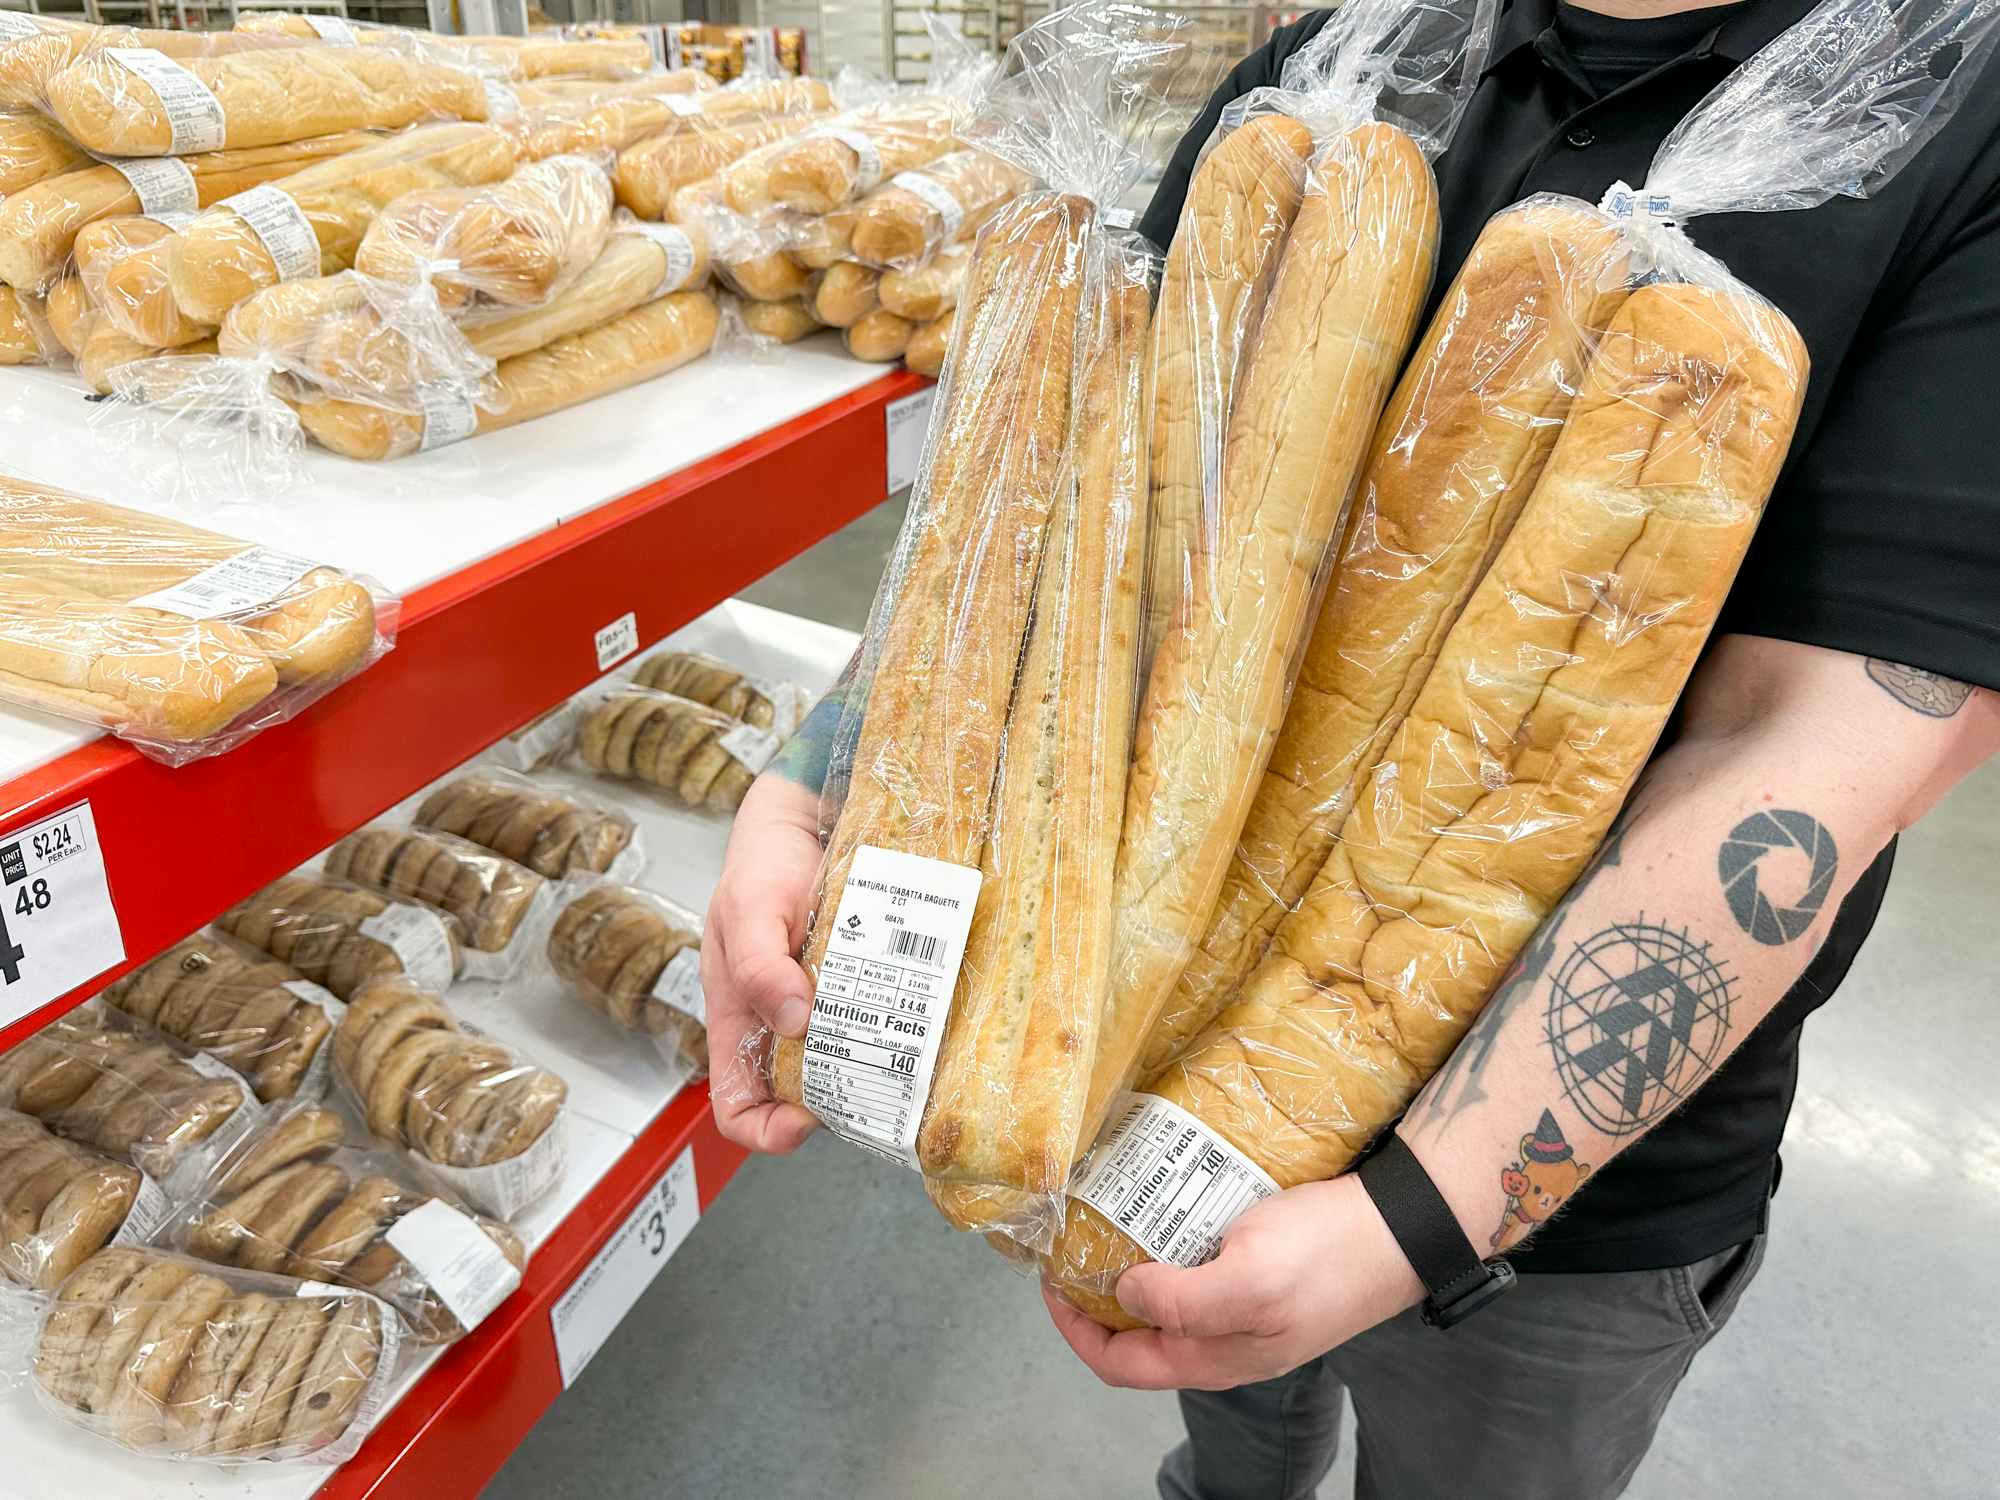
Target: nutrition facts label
column 885, row 988
column 1168, row 1182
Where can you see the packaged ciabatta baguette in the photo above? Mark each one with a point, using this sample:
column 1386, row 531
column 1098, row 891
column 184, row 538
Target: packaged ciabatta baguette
column 973, row 810
column 1498, row 776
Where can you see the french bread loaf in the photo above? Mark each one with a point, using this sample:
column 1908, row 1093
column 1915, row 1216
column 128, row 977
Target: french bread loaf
column 106, row 349
column 787, row 322
column 818, row 242
column 845, row 293
column 69, row 313
column 929, row 344
column 123, row 264
column 649, row 173
column 21, row 323
column 910, row 217
column 629, row 117
column 771, row 277
column 926, row 293
column 878, row 336
column 1456, row 455
column 27, row 64
column 1551, row 696
column 33, row 148
column 819, row 172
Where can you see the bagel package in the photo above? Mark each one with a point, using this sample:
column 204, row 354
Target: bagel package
column 60, row 1203
column 480, row 1117
column 301, row 1197
column 342, row 935
column 241, row 1007
column 172, row 1357
column 550, row 826
column 694, row 756
column 634, row 957
column 183, row 641
column 1572, row 470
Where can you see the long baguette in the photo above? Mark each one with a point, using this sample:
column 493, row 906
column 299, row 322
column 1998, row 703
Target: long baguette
column 21, row 322
column 926, row 293
column 27, row 65
column 1008, row 1096
column 107, row 348
column 650, row 173
column 787, row 322
column 929, row 344
column 123, row 264
column 818, row 173
column 903, row 223
column 1556, row 696
column 1457, row 454
column 929, row 747
column 33, row 148
column 624, row 121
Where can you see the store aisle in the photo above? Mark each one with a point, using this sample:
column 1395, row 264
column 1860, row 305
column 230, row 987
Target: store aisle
column 821, row 1337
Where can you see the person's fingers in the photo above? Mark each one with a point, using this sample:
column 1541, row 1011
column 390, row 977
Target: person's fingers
column 1223, row 1297
column 764, row 973
column 774, row 1129
column 1148, row 1360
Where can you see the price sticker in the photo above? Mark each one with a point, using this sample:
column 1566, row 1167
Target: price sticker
column 617, row 641
column 909, row 419
column 597, row 1301
column 58, row 928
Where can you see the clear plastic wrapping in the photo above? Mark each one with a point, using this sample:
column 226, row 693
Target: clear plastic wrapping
column 701, row 144
column 341, row 936
column 924, row 293
column 60, row 1203
column 299, row 1198
column 1572, row 471
column 544, row 55
column 642, row 111
column 552, row 829
column 30, row 59
column 878, row 336
column 123, row 265
column 184, row 641
column 170, row 1357
column 500, row 907
column 904, row 222
column 33, row 148
column 634, row 957
column 239, row 1006
column 929, row 345
column 26, row 337
column 698, row 756
column 781, row 322
column 845, row 293
column 849, row 156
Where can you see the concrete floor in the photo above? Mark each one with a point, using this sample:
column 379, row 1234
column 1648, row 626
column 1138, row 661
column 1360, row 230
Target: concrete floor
column 820, row 1335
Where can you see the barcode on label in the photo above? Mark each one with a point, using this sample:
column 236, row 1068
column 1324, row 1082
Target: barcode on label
column 921, row 946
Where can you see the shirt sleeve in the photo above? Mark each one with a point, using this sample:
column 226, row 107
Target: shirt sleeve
column 1883, row 538
column 1261, row 69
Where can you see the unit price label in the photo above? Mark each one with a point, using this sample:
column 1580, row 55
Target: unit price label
column 57, row 925
column 597, row 1301
column 908, row 420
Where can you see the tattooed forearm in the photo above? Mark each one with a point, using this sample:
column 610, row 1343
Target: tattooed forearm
column 807, row 754
column 1745, row 872
column 1638, row 1016
column 1538, row 1183
column 1913, row 687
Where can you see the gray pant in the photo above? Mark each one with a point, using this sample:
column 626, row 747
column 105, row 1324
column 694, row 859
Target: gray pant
column 1551, row 1393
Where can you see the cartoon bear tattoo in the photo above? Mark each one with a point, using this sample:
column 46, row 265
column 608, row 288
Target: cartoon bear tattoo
column 1539, row 1183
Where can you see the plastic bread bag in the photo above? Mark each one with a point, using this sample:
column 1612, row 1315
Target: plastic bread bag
column 301, row 1197
column 544, row 55
column 695, row 756
column 239, row 1006
column 929, row 345
column 776, row 324
column 703, row 140
column 512, row 244
column 39, row 224
column 124, row 1091
column 342, row 935
column 32, row 148
column 184, row 641
column 844, row 293
column 878, row 337
column 123, row 264
column 481, row 1118
column 501, row 908
column 170, row 1357
column 106, row 351
column 61, row 1203
column 26, row 337
column 1006, row 620
column 551, row 826
column 641, row 111
column 634, row 957
column 33, row 49
column 914, row 214
column 925, row 293
column 1581, row 633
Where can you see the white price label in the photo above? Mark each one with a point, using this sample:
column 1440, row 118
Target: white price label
column 195, row 121
column 751, row 747
column 448, row 418
column 936, row 196
column 597, row 1301
column 885, row 989
column 148, row 1212
column 13, row 24
column 617, row 641
column 334, row 29
column 466, row 1269
column 684, row 105
column 502, row 103
column 58, row 928
column 679, row 985
column 675, row 246
column 1170, row 1184
column 281, row 226
column 249, row 580
column 162, row 184
column 420, row 941
column 908, row 420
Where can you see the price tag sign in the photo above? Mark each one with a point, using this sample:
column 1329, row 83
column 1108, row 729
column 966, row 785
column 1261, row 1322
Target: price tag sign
column 585, row 1315
column 908, row 420
column 58, row 928
column 617, row 641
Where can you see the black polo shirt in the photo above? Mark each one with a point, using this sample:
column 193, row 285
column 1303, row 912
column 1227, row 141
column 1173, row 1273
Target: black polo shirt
column 1883, row 535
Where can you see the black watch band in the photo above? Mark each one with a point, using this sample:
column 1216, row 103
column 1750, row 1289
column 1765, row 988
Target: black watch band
column 1459, row 1282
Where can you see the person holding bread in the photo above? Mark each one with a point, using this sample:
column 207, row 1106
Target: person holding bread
column 1608, row 1130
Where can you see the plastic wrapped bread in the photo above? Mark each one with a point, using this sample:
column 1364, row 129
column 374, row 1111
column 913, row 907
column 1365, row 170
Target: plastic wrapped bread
column 491, row 898
column 816, row 242
column 25, row 337
column 60, row 1203
column 69, row 313
column 123, row 264
column 926, row 293
column 852, row 154
column 169, row 1357
column 33, row 148
column 242, row 1008
column 650, row 173
column 707, row 680
column 845, row 293
column 878, row 337
column 553, row 830
column 513, row 243
column 122, row 102
column 634, row 957
column 39, row 225
column 317, row 218
column 929, row 345
column 903, row 223
column 650, row 340
column 699, row 756
column 107, row 350
column 342, row 936
column 785, row 322
column 29, row 61
column 628, row 118
column 771, row 277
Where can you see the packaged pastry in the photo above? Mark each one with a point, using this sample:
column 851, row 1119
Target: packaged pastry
column 552, row 828
column 342, row 935
column 299, row 1197
column 500, row 907
column 61, row 1203
column 239, row 1006
column 634, row 957
column 170, row 1357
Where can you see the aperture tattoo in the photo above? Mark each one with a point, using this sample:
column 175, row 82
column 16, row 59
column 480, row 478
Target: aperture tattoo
column 1638, row 1016
column 1743, row 867
column 1913, row 687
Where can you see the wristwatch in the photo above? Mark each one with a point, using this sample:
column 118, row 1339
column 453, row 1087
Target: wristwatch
column 1459, row 1282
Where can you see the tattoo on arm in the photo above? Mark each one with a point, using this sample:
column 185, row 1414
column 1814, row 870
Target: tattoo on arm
column 1538, row 1183
column 806, row 756
column 1926, row 692
column 1743, row 852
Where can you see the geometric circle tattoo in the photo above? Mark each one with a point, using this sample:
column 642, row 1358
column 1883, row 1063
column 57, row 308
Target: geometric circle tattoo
column 1749, row 841
column 1636, row 1019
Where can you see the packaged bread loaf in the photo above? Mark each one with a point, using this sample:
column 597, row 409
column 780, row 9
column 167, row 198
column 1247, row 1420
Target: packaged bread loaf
column 485, row 1119
column 699, row 756
column 139, row 102
column 927, row 292
column 499, row 905
column 29, row 60
column 122, row 263
column 552, row 829
column 33, row 147
column 650, row 340
column 25, row 335
column 773, row 276
column 650, row 173
column 313, row 224
column 170, row 1357
column 850, row 155
column 1653, row 490
column 1017, row 516
column 785, row 322
column 298, row 1197
column 107, row 350
column 242, row 1008
column 39, row 225
column 913, row 215
column 640, row 112
column 929, row 344
column 634, row 957
column 878, row 337
column 60, row 1203
column 341, row 936
column 845, row 293
column 816, row 241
